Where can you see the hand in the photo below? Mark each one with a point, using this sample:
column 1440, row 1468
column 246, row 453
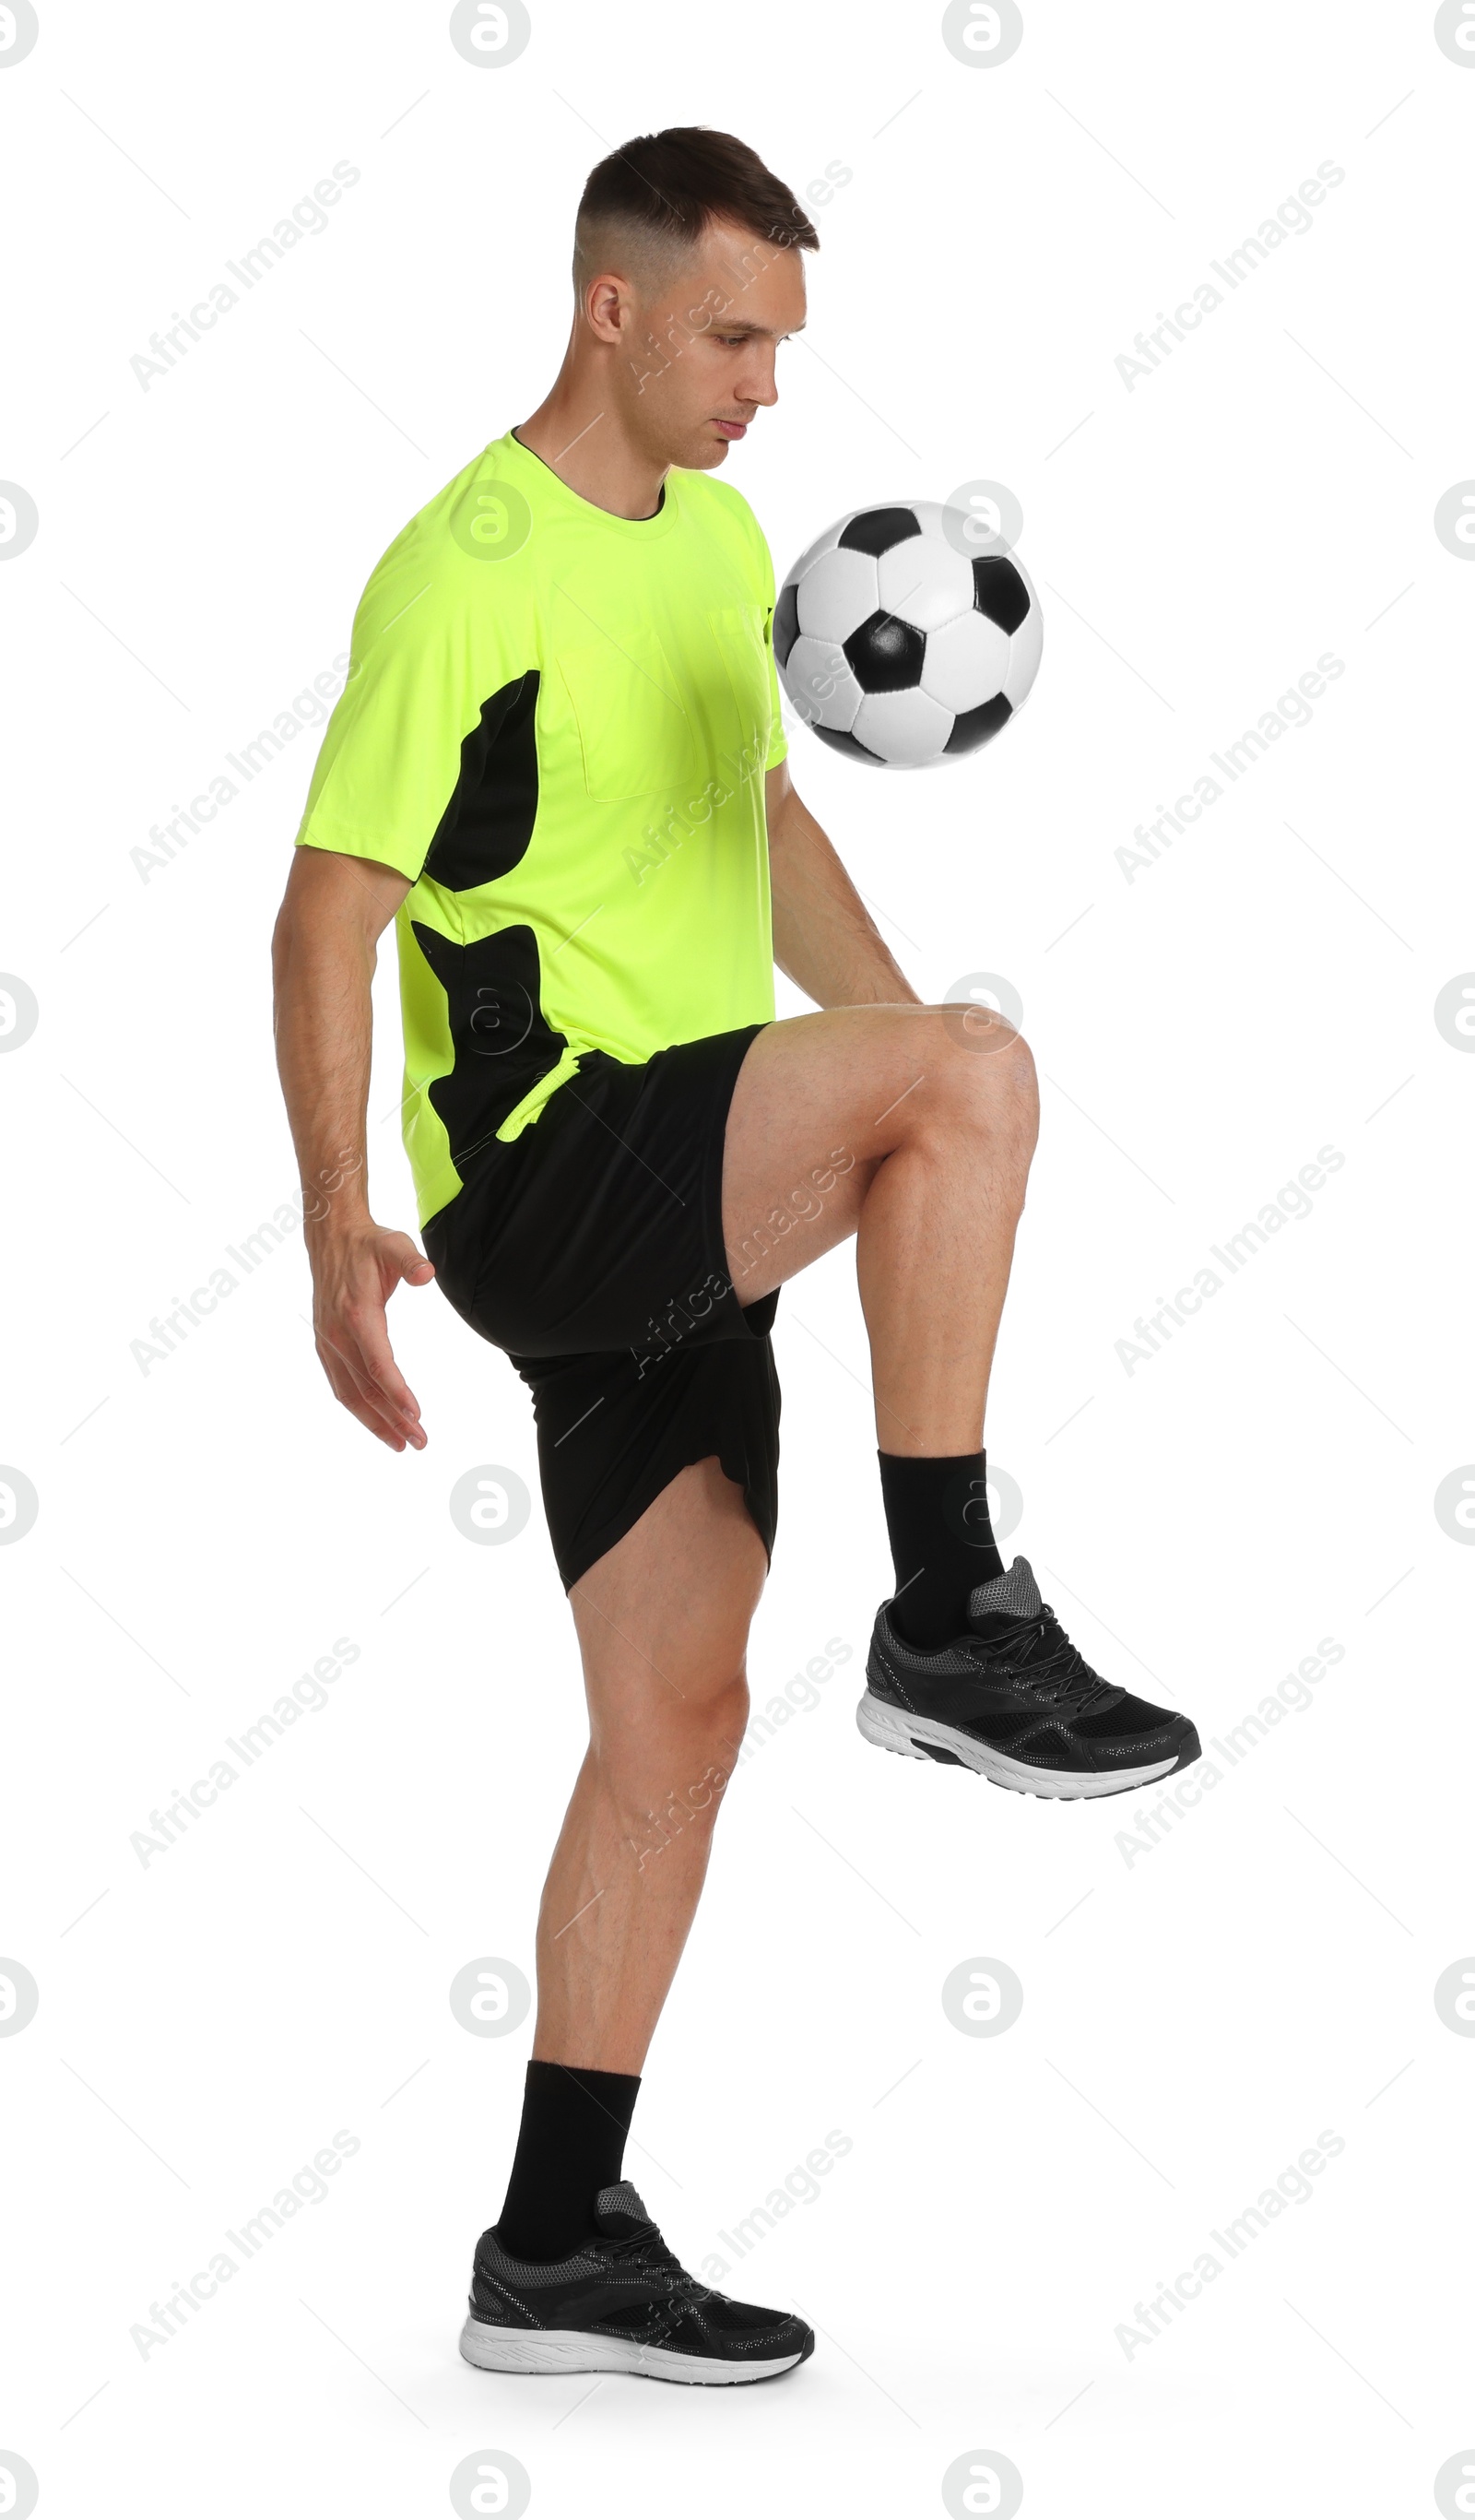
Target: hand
column 354, row 1274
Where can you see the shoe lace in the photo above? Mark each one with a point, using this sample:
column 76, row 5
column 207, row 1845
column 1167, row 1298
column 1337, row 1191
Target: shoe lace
column 1039, row 1649
column 647, row 2249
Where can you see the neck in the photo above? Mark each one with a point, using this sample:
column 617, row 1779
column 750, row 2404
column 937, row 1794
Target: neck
column 575, row 431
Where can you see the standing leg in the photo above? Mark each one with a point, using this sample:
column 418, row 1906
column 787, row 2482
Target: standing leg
column 662, row 1621
column 575, row 2276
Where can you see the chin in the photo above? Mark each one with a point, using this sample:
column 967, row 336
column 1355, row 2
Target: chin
column 707, row 453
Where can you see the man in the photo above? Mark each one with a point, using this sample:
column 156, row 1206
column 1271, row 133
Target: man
column 559, row 763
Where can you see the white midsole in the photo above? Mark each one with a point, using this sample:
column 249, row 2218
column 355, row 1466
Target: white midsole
column 891, row 1728
column 571, row 2349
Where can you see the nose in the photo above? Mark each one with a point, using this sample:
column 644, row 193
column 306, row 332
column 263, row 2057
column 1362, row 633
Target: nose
column 756, row 384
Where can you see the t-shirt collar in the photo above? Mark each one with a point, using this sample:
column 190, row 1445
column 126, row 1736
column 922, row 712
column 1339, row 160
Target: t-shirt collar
column 545, row 484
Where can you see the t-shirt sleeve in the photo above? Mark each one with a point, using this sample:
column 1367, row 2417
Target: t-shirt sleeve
column 392, row 751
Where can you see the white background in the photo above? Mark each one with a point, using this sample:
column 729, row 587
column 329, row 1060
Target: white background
column 1193, row 2018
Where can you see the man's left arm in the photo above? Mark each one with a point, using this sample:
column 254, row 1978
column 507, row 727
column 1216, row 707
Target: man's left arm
column 825, row 939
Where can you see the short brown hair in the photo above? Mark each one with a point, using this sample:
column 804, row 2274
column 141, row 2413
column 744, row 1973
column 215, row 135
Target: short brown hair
column 665, row 189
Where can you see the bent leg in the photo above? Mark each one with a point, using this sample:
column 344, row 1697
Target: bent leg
column 662, row 1622
column 912, row 1128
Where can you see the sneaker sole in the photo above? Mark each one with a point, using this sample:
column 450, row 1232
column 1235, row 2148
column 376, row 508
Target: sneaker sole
column 919, row 1737
column 552, row 2349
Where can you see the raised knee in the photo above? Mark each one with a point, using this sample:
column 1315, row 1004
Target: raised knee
column 982, row 1074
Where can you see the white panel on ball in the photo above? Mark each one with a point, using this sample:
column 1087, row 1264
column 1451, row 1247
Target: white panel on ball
column 821, row 685
column 837, row 594
column 905, row 728
column 816, row 549
column 925, row 581
column 966, row 661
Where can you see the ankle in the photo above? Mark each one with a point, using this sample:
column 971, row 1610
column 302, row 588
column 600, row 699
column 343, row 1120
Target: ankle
column 571, row 2144
column 941, row 1541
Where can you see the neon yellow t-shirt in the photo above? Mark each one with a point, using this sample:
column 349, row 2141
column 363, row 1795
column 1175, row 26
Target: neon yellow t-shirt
column 557, row 724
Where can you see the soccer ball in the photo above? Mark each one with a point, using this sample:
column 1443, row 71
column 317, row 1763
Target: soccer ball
column 899, row 647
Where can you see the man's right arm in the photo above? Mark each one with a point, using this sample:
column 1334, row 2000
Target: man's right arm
column 323, row 954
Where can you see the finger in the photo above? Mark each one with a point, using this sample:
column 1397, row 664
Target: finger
column 349, row 1395
column 358, row 1396
column 404, row 1421
column 410, row 1264
column 375, row 1357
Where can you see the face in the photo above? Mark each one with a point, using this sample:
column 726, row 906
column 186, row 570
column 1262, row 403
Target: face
column 696, row 361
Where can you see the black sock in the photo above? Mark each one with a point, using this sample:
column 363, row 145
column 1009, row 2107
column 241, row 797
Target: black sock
column 570, row 2145
column 942, row 1542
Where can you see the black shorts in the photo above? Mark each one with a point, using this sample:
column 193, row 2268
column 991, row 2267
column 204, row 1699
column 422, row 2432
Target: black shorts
column 591, row 1250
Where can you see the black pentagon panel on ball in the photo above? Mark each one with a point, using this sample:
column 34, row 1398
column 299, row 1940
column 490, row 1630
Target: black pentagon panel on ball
column 878, row 530
column 785, row 622
column 886, row 655
column 972, row 727
column 1000, row 590
column 850, row 744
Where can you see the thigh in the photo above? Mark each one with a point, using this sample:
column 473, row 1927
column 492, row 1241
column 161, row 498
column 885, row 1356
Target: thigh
column 820, row 1101
column 663, row 1616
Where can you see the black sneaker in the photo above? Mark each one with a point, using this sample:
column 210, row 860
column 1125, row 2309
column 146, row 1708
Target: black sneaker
column 621, row 2302
column 1013, row 1699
